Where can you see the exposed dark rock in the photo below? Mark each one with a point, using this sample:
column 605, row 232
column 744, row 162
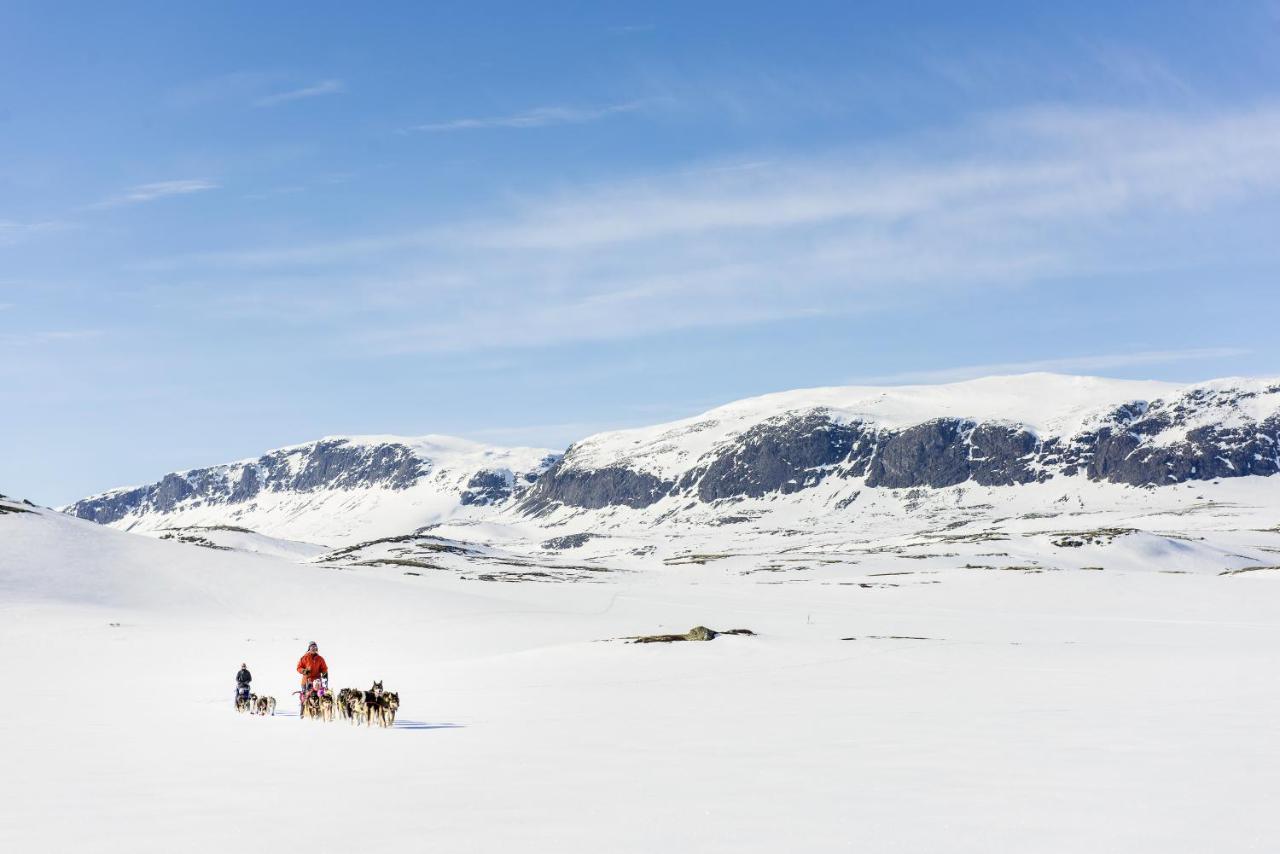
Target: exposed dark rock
column 935, row 453
column 1098, row 537
column 697, row 633
column 1000, row 455
column 488, row 487
column 784, row 455
column 605, row 487
column 247, row 487
column 193, row 539
column 108, row 508
column 568, row 541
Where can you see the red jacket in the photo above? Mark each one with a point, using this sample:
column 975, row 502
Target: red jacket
column 312, row 666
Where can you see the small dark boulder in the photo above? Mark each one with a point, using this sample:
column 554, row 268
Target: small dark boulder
column 697, row 633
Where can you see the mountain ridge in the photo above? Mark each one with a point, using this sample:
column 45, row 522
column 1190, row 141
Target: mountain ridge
column 931, row 436
column 1009, row 431
column 434, row 476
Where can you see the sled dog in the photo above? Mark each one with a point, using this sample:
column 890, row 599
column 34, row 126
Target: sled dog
column 380, row 706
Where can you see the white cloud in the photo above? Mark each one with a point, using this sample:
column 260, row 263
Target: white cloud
column 1066, row 164
column 1015, row 200
column 324, row 87
column 536, row 118
column 157, row 190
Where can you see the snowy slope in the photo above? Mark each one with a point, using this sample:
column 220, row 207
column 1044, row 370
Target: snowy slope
column 950, row 711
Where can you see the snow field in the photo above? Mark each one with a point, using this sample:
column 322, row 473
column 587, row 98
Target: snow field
column 995, row 711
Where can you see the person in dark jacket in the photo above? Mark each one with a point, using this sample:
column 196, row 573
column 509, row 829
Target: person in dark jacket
column 243, row 678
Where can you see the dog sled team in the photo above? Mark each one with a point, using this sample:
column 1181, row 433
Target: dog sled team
column 375, row 706
column 316, row 702
column 246, row 700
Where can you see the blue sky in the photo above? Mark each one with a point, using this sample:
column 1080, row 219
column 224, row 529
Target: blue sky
column 233, row 227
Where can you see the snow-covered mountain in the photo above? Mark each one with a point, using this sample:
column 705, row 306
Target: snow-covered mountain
column 999, row 431
column 807, row 466
column 835, row 475
column 335, row 490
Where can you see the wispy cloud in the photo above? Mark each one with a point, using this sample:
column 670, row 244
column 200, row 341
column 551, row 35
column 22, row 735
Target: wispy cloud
column 1068, row 364
column 143, row 193
column 535, row 118
column 1015, row 200
column 324, row 87
column 12, row 231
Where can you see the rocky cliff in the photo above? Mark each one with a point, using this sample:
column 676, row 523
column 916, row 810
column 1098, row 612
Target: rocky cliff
column 1039, row 427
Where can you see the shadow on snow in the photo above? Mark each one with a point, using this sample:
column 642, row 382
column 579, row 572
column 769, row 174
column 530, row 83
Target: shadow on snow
column 400, row 724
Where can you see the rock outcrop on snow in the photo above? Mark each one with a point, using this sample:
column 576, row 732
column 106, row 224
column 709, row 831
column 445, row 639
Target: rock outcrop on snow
column 11, row 505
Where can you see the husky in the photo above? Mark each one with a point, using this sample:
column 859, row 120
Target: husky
column 380, row 706
column 346, row 703
column 359, row 711
column 313, row 700
column 326, row 707
column 265, row 706
column 393, row 705
column 373, row 704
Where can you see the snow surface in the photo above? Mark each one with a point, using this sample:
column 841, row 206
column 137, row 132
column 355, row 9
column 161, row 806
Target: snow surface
column 1126, row 710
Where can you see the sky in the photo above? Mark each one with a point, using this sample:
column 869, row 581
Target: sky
column 229, row 227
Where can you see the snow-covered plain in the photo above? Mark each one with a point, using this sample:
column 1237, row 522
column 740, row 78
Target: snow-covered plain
column 964, row 710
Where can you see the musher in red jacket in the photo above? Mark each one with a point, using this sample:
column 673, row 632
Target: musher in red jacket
column 312, row 666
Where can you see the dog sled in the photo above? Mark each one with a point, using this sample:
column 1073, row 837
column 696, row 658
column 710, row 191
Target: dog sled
column 247, row 703
column 375, row 707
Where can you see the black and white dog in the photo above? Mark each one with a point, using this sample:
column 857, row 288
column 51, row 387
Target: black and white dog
column 380, row 706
